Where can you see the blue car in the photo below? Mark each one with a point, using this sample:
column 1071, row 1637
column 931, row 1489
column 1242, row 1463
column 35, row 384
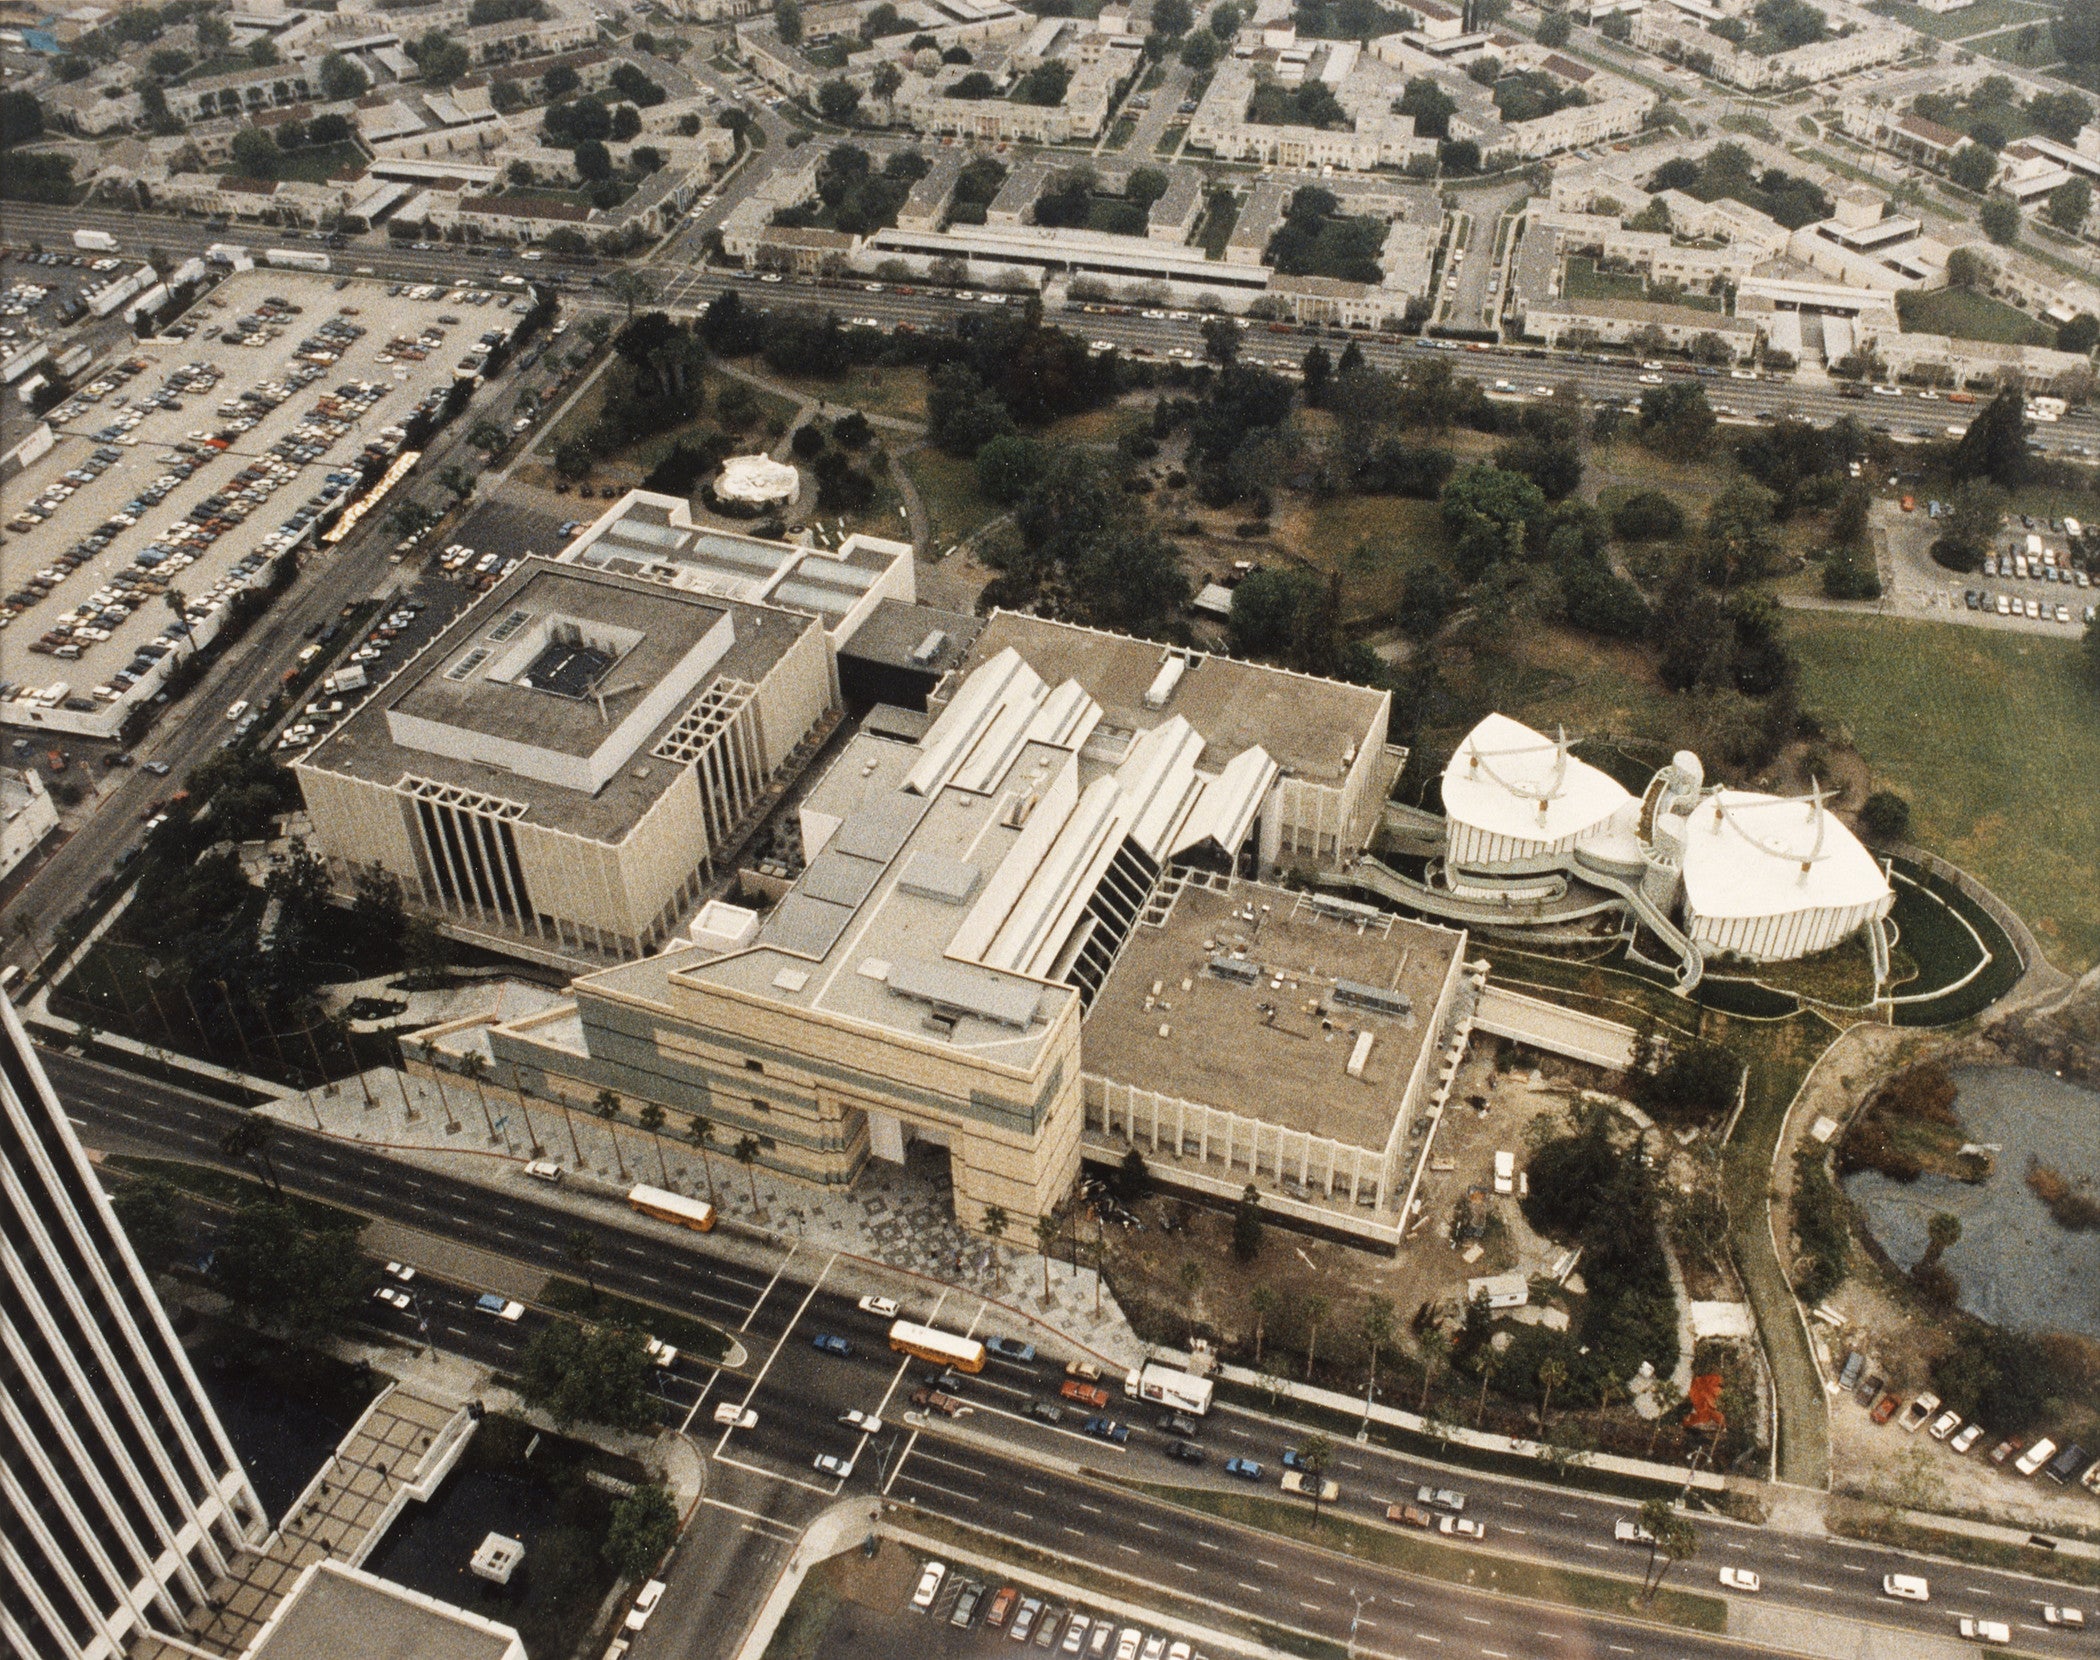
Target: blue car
column 1108, row 1430
column 1291, row 1460
column 831, row 1345
column 1245, row 1468
column 1007, row 1349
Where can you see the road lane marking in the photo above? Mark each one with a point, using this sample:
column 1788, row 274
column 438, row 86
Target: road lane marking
column 1827, row 1590
column 1024, row 1515
column 1132, row 1549
column 1076, row 1532
column 936, row 1487
column 1185, row 1568
column 775, row 1280
column 1206, row 1544
column 1311, row 1607
column 1319, row 1581
column 1148, row 1527
column 1475, row 1619
column 1256, row 1589
column 1263, row 1561
column 1091, row 1509
column 1589, row 1544
column 1849, row 1567
column 1037, row 1491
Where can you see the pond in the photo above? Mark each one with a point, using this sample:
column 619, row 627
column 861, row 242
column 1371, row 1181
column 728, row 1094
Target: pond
column 2017, row 1267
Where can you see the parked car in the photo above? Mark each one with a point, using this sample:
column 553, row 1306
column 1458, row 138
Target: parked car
column 645, row 1602
column 865, row 1422
column 1916, row 1414
column 1884, row 1409
column 1945, row 1425
column 735, row 1415
column 1083, row 1369
column 1002, row 1606
column 1966, row 1439
column 886, row 1307
column 929, row 1585
column 831, row 1344
column 1007, row 1349
column 831, row 1464
column 966, row 1605
column 1024, row 1619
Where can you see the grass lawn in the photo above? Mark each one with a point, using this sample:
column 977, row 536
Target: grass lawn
column 1583, row 281
column 1219, row 219
column 1995, row 739
column 640, row 458
column 679, row 1330
column 1967, row 316
column 1373, row 540
column 2006, row 48
column 948, row 487
column 900, row 393
column 316, row 165
column 1414, row 1553
column 1985, row 15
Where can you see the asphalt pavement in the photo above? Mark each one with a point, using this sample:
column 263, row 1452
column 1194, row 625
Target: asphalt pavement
column 800, row 1393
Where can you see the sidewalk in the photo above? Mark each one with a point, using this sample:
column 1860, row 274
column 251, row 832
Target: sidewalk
column 894, row 1220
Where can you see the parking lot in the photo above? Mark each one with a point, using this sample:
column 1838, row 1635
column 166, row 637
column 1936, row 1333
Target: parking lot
column 182, row 473
column 2042, row 595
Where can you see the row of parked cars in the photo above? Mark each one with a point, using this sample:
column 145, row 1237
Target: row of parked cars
column 1039, row 1622
column 2062, row 1465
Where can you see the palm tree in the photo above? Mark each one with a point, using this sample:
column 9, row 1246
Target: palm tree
column 1045, row 1238
column 474, row 1066
column 340, row 1025
column 1670, row 1538
column 251, row 1138
column 704, row 1138
column 632, row 287
column 517, row 1088
column 1377, row 1327
column 746, row 1154
column 1263, row 1301
column 651, row 1118
column 580, row 1246
column 607, row 1106
column 1315, row 1307
column 1668, row 1398
column 1552, row 1374
column 1316, row 1454
column 1487, row 1363
column 178, row 603
column 429, row 1051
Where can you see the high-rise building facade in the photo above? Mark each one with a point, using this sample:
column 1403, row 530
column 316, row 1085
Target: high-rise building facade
column 121, row 1498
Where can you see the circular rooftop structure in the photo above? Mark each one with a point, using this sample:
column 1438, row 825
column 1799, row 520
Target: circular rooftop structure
column 757, row 481
column 1771, row 877
column 1512, row 794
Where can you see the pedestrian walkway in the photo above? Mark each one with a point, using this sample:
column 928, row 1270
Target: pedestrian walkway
column 895, row 1218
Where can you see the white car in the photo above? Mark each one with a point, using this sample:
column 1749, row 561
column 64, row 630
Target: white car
column 1461, row 1527
column 543, row 1170
column 1127, row 1644
column 1075, row 1634
column 400, row 1271
column 392, row 1296
column 883, row 1307
column 1966, row 1439
column 866, row 1422
column 664, row 1354
column 1740, row 1579
column 2053, row 1614
column 1906, row 1587
column 1945, row 1425
column 929, row 1581
column 735, row 1415
column 832, row 1465
column 1985, row 1631
column 645, row 1602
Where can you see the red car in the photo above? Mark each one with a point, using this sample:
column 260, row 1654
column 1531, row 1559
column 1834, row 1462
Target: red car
column 1885, row 1409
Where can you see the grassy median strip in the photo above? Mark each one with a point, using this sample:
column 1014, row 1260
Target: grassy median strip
column 1472, row 1567
column 223, row 1187
column 1071, row 1571
column 1877, row 1525
column 695, row 1337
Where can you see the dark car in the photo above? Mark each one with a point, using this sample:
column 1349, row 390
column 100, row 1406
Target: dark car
column 1048, row 1411
column 1187, row 1451
column 1008, row 1349
column 1173, row 1423
column 966, row 1605
column 832, row 1345
column 1107, row 1429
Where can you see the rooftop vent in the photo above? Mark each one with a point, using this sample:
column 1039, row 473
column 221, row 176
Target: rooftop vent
column 930, row 647
column 1238, row 972
column 1356, row 994
column 1164, row 682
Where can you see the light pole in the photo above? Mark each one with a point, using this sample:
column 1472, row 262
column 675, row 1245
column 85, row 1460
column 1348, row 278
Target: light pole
column 1360, row 1603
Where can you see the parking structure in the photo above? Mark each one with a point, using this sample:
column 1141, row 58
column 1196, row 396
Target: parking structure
column 185, row 471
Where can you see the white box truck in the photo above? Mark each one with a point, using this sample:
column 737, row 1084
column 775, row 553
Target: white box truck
column 100, row 241
column 297, row 259
column 1165, row 1386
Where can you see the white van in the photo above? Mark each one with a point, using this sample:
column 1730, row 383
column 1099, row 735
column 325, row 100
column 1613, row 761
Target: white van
column 1906, row 1587
column 2035, row 1456
column 1985, row 1631
column 543, row 1170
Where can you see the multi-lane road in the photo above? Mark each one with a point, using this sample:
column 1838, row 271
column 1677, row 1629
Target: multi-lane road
column 996, row 1468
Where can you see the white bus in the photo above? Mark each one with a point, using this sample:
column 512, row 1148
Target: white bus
column 666, row 1206
column 943, row 1348
column 1164, row 1386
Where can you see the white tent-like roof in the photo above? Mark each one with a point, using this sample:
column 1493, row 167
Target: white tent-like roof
column 757, row 479
column 1511, row 781
column 1753, row 855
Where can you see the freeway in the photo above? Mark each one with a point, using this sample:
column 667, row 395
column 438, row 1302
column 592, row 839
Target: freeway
column 799, row 1392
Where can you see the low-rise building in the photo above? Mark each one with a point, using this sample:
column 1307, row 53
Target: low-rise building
column 27, row 815
column 1861, row 247
column 1937, row 360
column 1665, row 31
column 1173, row 217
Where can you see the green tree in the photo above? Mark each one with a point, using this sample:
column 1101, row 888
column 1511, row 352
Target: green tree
column 1676, row 420
column 251, row 1138
column 1741, row 541
column 151, row 1212
column 1009, row 467
column 2069, row 203
column 631, row 288
column 996, row 1222
column 1246, row 1227
column 1377, row 1326
column 1172, row 18
column 1671, row 1539
column 580, row 1246
column 340, row 78
column 746, row 1153
column 255, row 153
column 703, row 1134
column 1261, row 1302
column 1553, row 1372
column 1995, row 445
column 2000, row 219
column 1554, row 29
column 1133, row 1178
column 787, row 22
column 1489, row 513
column 1314, row 1307
column 1973, row 167
column 643, row 1525
column 300, row 1284
column 651, row 1118
column 1968, row 269
column 1316, row 1455
column 600, row 1376
column 606, row 1105
column 838, row 100
column 1045, row 1241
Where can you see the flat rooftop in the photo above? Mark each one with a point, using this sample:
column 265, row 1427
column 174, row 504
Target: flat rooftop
column 137, row 432
column 1276, row 1044
column 335, row 1610
column 446, row 686
column 1305, row 724
column 895, row 633
column 654, row 536
column 881, row 902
